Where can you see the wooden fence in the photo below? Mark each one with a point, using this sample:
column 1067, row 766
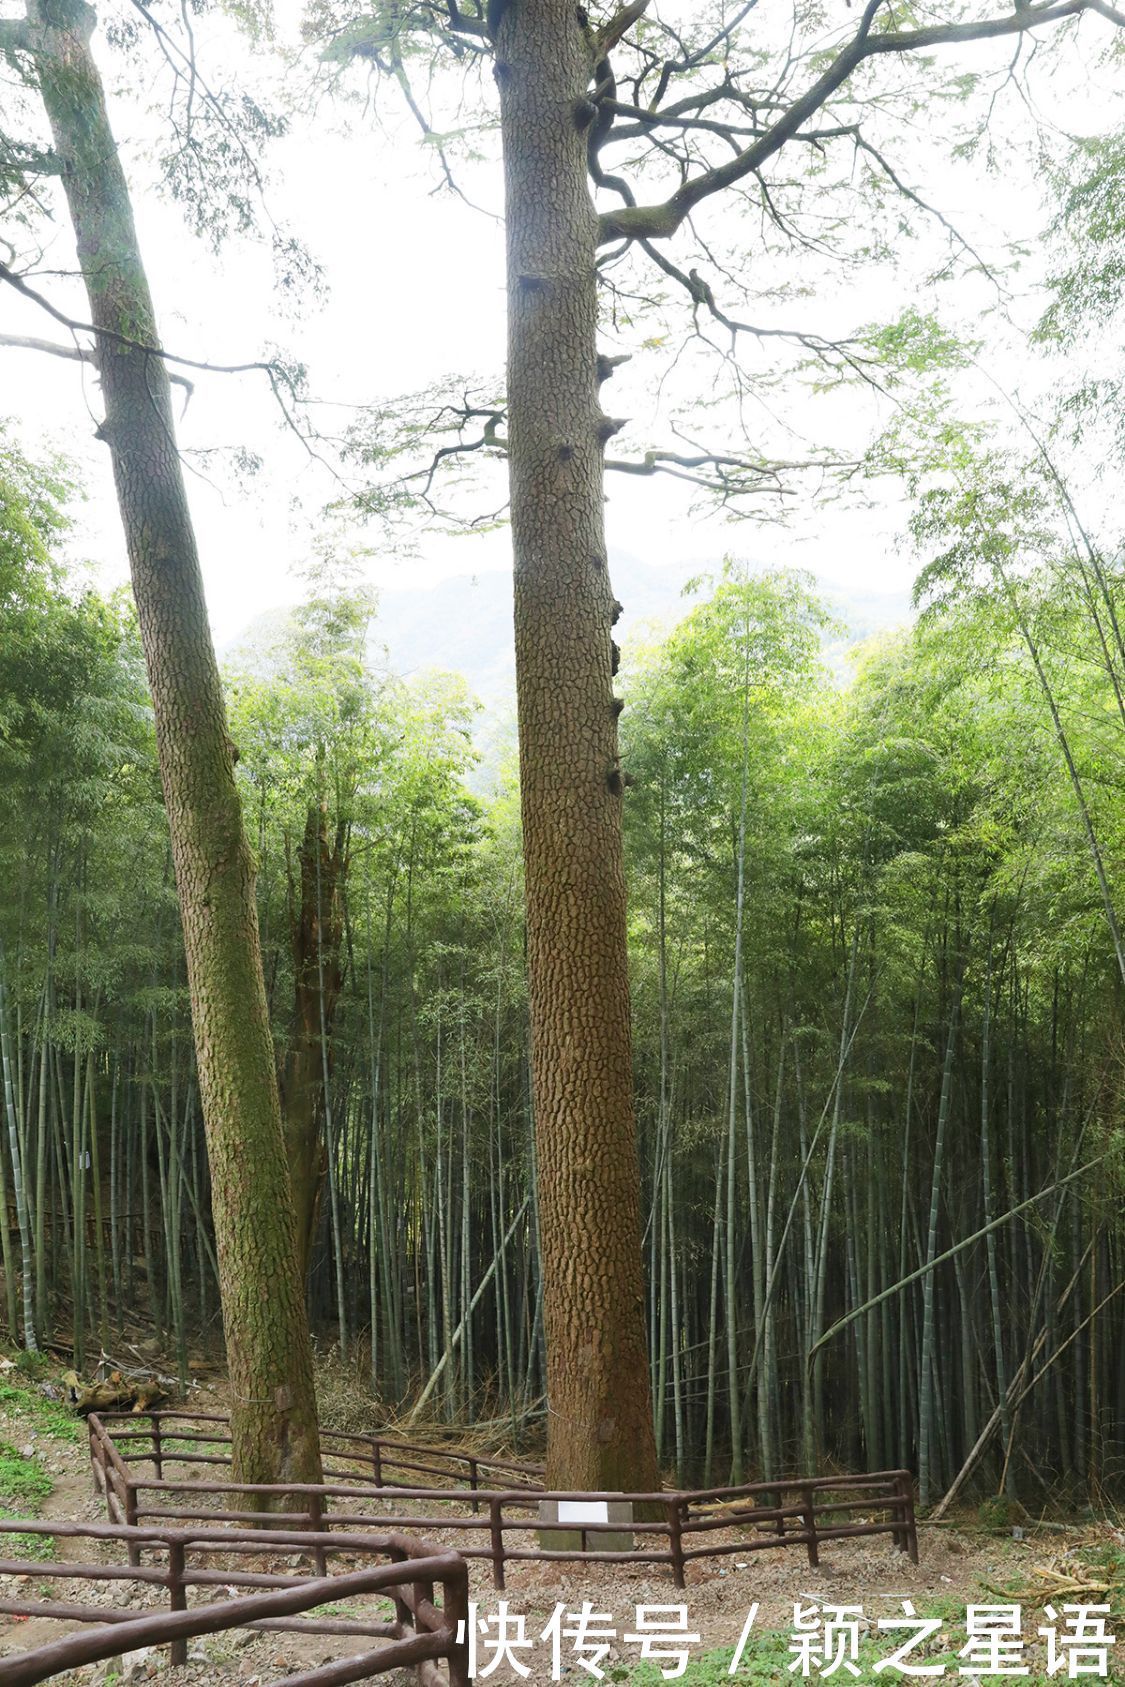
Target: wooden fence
column 421, row 1635
column 373, row 1458
column 674, row 1526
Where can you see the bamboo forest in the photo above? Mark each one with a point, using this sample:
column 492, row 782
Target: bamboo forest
column 647, row 1069
column 920, row 1027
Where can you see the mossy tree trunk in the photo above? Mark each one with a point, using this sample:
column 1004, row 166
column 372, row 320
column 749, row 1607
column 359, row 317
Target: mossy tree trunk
column 600, row 1417
column 273, row 1402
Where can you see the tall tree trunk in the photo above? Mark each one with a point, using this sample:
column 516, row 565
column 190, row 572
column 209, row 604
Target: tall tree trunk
column 20, row 1184
column 273, row 1415
column 928, row 1415
column 600, row 1416
column 329, row 1133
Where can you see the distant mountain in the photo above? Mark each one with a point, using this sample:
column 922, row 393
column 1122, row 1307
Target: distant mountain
column 465, row 623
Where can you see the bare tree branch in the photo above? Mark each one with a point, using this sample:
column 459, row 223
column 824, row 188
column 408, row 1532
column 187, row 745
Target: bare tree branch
column 658, row 222
column 489, row 440
column 690, row 61
column 276, row 374
column 731, row 475
column 79, row 354
column 465, row 25
column 619, row 25
column 273, row 370
column 915, row 198
column 700, row 293
column 646, row 121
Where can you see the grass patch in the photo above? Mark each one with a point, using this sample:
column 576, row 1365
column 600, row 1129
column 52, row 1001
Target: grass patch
column 378, row 1608
column 23, row 1484
column 23, row 1481
column 32, row 1364
column 174, row 1444
column 1106, row 1562
column 48, row 1417
column 769, row 1661
column 767, row 1656
column 19, row 1545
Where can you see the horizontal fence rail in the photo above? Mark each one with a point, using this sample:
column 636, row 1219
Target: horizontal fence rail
column 504, row 1525
column 154, row 1439
column 421, row 1635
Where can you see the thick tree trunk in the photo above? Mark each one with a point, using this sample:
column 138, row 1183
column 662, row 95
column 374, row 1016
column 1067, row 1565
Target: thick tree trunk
column 600, row 1418
column 273, row 1404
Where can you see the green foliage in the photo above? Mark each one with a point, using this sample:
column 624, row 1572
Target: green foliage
column 79, row 795
column 1089, row 229
column 1106, row 1561
column 23, row 1481
column 23, row 1484
column 1001, row 1512
column 20, row 1545
column 214, row 175
column 906, row 806
column 992, row 523
column 767, row 1658
column 769, row 1663
column 916, row 343
column 31, row 519
column 47, row 1416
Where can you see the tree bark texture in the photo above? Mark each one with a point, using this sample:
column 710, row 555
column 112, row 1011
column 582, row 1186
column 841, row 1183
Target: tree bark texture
column 273, row 1403
column 600, row 1432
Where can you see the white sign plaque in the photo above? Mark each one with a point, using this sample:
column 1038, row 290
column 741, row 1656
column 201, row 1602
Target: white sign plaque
column 583, row 1511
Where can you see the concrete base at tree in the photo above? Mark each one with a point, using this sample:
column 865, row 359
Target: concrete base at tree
column 576, row 1515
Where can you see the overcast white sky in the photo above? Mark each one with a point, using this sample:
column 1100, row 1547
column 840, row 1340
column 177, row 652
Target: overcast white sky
column 416, row 292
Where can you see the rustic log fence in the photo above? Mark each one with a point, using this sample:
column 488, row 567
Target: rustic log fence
column 183, row 1538
column 421, row 1635
column 162, row 1442
column 675, row 1526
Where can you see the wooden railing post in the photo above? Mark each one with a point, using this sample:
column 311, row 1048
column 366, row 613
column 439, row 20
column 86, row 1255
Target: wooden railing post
column 809, row 1512
column 177, row 1594
column 473, row 1481
column 404, row 1616
column 316, row 1521
column 131, row 1519
column 496, row 1534
column 897, row 1507
column 909, row 1533
column 95, row 1456
column 157, row 1449
column 455, row 1610
column 377, row 1461
column 675, row 1538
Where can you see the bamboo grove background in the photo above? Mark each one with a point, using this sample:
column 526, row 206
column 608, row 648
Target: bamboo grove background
column 878, row 998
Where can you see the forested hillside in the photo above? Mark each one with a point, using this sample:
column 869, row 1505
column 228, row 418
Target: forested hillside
column 877, row 1014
